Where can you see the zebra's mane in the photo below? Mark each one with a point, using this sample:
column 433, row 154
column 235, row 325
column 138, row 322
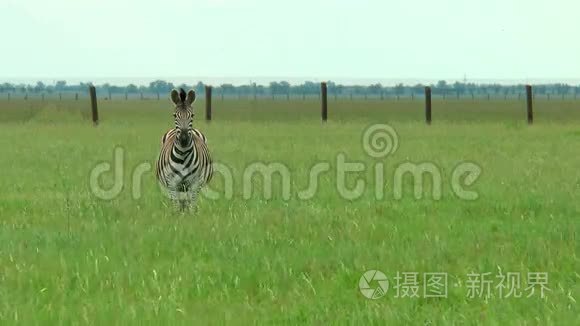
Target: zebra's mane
column 182, row 95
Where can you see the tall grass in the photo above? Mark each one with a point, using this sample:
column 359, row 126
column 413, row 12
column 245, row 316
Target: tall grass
column 68, row 257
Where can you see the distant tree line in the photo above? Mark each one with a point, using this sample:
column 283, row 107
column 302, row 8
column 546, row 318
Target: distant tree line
column 283, row 88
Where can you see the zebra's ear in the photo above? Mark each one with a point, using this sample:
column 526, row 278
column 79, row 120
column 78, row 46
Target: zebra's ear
column 190, row 97
column 175, row 97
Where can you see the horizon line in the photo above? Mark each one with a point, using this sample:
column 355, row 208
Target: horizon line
column 265, row 80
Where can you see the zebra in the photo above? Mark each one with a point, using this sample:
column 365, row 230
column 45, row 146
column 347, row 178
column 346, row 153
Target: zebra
column 184, row 165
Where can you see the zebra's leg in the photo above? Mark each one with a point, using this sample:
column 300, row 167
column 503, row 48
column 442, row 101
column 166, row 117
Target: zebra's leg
column 182, row 205
column 184, row 200
column 193, row 195
column 174, row 197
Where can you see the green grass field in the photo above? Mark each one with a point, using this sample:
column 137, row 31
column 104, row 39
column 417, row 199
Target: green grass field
column 68, row 257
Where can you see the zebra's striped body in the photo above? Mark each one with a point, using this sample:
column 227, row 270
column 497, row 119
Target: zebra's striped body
column 184, row 165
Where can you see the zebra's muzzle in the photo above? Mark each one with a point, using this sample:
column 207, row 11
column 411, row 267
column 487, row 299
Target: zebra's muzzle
column 183, row 138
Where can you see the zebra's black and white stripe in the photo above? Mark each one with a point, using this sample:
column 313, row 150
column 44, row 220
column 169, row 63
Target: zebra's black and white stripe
column 184, row 165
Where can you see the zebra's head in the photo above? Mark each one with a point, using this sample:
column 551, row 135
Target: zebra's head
column 183, row 114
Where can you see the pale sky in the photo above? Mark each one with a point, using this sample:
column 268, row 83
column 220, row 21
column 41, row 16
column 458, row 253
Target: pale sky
column 321, row 39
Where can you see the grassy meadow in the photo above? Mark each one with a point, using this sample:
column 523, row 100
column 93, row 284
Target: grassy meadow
column 70, row 258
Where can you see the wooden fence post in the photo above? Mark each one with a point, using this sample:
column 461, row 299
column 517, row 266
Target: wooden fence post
column 60, row 96
column 208, row 103
column 530, row 105
column 126, row 96
column 157, row 96
column 428, row 105
column 76, row 96
column 93, row 94
column 324, row 101
column 26, row 97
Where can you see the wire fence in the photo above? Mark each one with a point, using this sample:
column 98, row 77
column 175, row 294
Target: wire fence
column 218, row 95
column 327, row 104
